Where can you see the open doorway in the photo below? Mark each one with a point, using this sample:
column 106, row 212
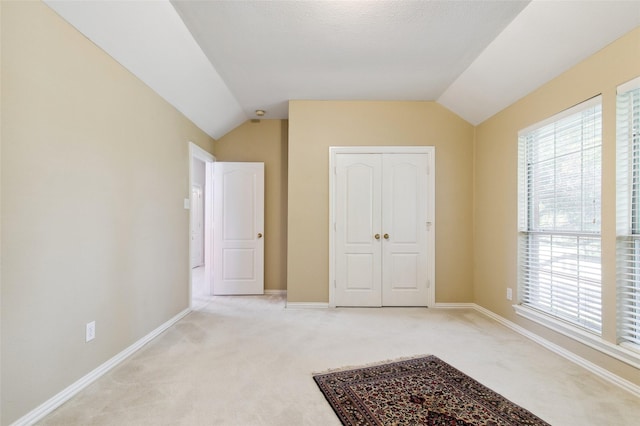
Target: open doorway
column 200, row 225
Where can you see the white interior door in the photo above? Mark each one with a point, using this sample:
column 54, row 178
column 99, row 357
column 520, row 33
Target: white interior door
column 358, row 223
column 197, row 226
column 383, row 240
column 238, row 228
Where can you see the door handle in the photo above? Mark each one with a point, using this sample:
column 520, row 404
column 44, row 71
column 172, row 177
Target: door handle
column 259, row 235
column 377, row 236
column 386, row 236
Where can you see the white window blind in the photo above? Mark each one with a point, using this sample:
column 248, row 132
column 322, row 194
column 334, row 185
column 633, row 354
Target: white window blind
column 559, row 216
column 628, row 212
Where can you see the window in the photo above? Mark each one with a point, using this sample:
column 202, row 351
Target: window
column 559, row 216
column 628, row 208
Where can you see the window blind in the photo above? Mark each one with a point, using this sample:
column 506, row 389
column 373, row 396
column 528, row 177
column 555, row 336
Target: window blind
column 628, row 211
column 559, row 216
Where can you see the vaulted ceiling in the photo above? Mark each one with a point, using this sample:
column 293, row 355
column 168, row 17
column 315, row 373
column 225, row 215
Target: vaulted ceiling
column 220, row 61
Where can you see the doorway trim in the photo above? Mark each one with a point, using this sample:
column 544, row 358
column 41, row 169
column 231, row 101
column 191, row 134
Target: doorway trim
column 197, row 153
column 333, row 150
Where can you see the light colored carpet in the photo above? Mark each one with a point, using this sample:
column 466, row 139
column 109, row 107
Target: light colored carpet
column 248, row 361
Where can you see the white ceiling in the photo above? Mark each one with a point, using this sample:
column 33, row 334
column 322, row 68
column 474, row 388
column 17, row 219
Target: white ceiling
column 219, row 61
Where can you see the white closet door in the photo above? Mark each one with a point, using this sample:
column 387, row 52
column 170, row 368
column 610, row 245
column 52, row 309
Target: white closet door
column 358, row 221
column 404, row 228
column 383, row 240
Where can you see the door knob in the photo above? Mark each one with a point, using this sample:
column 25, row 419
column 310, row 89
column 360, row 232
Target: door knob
column 259, row 235
column 386, row 236
column 377, row 236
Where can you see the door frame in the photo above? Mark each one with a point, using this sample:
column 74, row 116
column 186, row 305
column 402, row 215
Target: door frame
column 431, row 187
column 197, row 153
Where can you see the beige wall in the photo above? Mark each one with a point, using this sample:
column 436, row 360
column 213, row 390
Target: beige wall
column 94, row 173
column 495, row 244
column 265, row 141
column 314, row 126
column 94, row 167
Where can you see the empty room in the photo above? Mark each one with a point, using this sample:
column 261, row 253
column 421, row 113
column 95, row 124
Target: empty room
column 319, row 212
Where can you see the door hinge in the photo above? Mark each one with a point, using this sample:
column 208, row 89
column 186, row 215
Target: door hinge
column 429, row 223
column 334, row 284
column 428, row 283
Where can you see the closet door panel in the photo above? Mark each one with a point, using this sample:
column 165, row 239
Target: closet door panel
column 404, row 227
column 358, row 220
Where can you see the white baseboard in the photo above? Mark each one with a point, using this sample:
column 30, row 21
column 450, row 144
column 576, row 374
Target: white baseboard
column 307, row 305
column 57, row 400
column 455, row 305
column 276, row 292
column 593, row 368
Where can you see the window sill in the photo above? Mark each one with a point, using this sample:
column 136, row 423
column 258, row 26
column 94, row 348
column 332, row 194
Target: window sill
column 628, row 356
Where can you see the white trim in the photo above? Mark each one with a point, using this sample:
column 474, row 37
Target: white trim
column 588, row 365
column 199, row 153
column 562, row 114
column 276, row 292
column 66, row 394
column 628, row 86
column 195, row 152
column 454, row 305
column 593, row 341
column 431, row 216
column 307, row 305
column 417, row 149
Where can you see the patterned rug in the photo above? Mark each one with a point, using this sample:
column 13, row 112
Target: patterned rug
column 421, row 391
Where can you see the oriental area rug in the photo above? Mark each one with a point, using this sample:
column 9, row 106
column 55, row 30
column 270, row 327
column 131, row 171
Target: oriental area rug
column 419, row 391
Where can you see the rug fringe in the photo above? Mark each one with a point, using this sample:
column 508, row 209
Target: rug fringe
column 372, row 364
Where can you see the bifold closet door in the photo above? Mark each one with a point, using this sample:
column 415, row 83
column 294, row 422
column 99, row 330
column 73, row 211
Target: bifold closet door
column 381, row 230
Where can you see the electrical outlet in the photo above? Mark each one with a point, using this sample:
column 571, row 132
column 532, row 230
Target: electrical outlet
column 509, row 294
column 91, row 331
